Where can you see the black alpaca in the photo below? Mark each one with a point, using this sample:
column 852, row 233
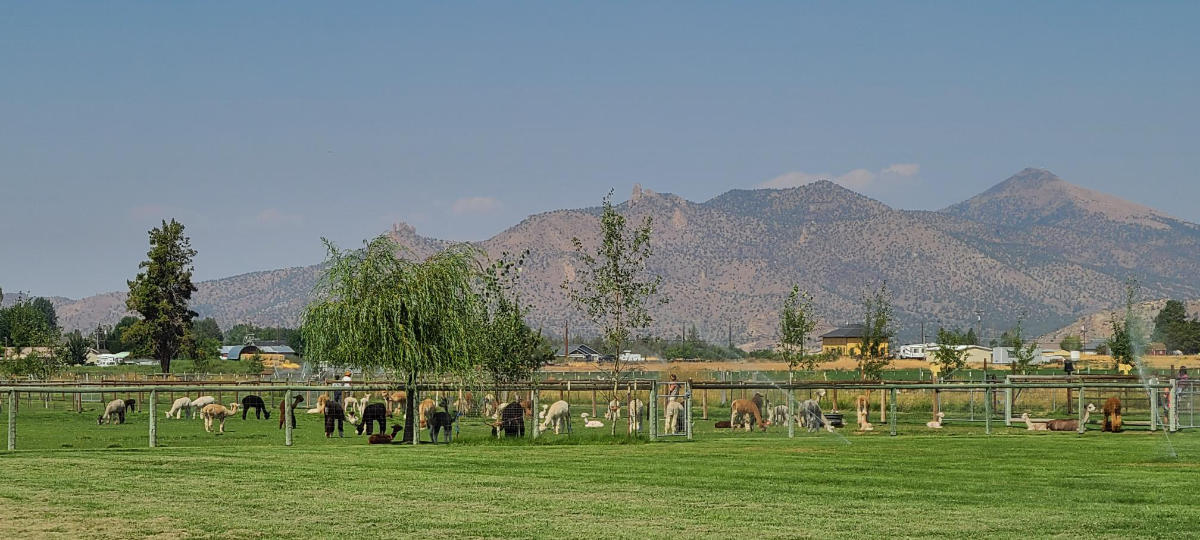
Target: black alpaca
column 130, row 405
column 258, row 405
column 334, row 413
column 442, row 421
column 512, row 420
column 296, row 399
column 375, row 412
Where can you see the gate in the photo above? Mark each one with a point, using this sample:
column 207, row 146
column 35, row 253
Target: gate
column 674, row 400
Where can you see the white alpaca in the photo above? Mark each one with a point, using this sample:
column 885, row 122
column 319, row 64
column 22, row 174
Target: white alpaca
column 490, row 406
column 114, row 411
column 1034, row 426
column 542, row 413
column 590, row 423
column 674, row 417
column 178, row 406
column 636, row 409
column 559, row 415
column 777, row 415
column 936, row 424
column 199, row 403
column 614, row 411
column 863, row 407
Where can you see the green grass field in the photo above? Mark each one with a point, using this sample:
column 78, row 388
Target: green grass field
column 72, row 478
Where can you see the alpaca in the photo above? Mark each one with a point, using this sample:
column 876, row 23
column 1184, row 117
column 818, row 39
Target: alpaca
column 1030, row 425
column 214, row 411
column 384, row 438
column 350, row 405
column 423, row 409
column 759, row 401
column 777, row 415
column 674, row 417
column 440, row 421
column 614, row 411
column 637, row 409
column 590, row 423
column 322, row 400
column 814, row 419
column 115, row 410
column 1112, row 415
column 296, row 399
column 375, row 412
column 741, row 411
column 510, row 420
column 864, row 406
column 723, row 424
column 490, row 407
column 542, row 414
column 200, row 403
column 334, row 414
column 130, row 405
column 395, row 402
column 936, row 423
column 255, row 402
column 558, row 415
column 179, row 406
column 1072, row 424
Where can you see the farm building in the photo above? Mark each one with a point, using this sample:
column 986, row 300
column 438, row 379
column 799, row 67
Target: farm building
column 272, row 354
column 580, row 353
column 848, row 340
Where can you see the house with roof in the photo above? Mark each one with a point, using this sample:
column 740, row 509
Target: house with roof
column 848, row 340
column 579, row 353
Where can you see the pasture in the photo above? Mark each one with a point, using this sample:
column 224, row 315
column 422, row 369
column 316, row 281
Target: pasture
column 74, row 478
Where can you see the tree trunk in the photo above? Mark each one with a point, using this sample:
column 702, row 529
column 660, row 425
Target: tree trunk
column 165, row 364
column 410, row 414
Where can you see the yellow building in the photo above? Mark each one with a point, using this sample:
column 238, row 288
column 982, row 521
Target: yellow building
column 848, row 340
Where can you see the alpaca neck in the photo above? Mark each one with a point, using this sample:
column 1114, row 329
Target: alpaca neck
column 1086, row 415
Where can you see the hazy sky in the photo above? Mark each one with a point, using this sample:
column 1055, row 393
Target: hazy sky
column 264, row 126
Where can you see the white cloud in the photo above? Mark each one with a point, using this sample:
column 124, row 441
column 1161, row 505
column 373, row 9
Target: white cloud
column 274, row 217
column 475, row 205
column 857, row 179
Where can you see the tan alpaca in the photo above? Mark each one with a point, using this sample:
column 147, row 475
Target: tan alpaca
column 214, row 411
column 937, row 423
column 395, row 402
column 320, row 408
column 1030, row 425
column 741, row 412
column 863, row 407
column 424, row 407
column 1072, row 424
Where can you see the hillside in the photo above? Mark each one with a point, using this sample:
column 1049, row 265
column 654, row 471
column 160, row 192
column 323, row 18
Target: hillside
column 1032, row 246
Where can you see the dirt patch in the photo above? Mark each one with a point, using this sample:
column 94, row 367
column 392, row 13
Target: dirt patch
column 35, row 520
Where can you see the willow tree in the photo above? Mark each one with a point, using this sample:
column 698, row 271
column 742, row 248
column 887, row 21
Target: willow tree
column 612, row 285
column 375, row 309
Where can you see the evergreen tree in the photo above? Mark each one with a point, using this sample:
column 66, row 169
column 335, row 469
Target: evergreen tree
column 161, row 291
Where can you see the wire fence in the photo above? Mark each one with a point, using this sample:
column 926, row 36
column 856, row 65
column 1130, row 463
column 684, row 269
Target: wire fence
column 52, row 414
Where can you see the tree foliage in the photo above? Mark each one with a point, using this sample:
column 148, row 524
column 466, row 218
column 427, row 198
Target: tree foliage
column 1022, row 353
column 1128, row 336
column 877, row 331
column 74, row 349
column 1071, row 343
column 509, row 350
column 796, row 322
column 948, row 355
column 1175, row 330
column 161, row 291
column 25, row 325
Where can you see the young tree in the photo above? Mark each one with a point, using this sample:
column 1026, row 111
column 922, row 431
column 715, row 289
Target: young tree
column 796, row 321
column 375, row 309
column 74, row 350
column 161, row 292
column 1071, row 343
column 948, row 355
column 509, row 350
column 1128, row 336
column 1023, row 353
column 611, row 287
column 877, row 330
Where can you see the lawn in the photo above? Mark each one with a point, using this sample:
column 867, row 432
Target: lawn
column 246, row 484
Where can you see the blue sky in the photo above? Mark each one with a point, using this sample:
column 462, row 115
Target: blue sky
column 266, row 126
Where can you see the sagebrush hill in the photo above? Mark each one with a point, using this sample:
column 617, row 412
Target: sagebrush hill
column 1033, row 246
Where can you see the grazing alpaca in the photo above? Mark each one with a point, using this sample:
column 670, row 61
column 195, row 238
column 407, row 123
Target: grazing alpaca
column 490, row 407
column 637, row 410
column 179, row 406
column 777, row 415
column 256, row 403
column 375, row 412
column 674, row 417
column 395, row 402
column 1072, row 424
column 1112, row 415
column 334, row 414
column 590, row 423
column 214, row 411
column 723, row 424
column 384, row 438
column 510, row 420
column 614, row 411
column 115, row 410
column 200, row 403
column 742, row 410
column 813, row 418
column 542, row 414
column 130, row 405
column 936, row 423
column 1030, row 425
column 864, row 406
column 423, row 409
column 558, row 415
column 350, row 405
column 322, row 400
column 296, row 399
column 440, row 421
column 759, row 401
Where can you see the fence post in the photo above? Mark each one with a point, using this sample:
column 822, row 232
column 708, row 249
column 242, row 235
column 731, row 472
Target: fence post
column 654, row 411
column 1008, row 396
column 987, row 410
column 687, row 409
column 534, row 408
column 1153, row 406
column 288, row 417
column 12, row 420
column 1082, row 409
column 791, row 405
column 153, row 418
column 892, row 406
column 1172, row 407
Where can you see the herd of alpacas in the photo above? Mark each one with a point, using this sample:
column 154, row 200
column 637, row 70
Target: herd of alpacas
column 507, row 419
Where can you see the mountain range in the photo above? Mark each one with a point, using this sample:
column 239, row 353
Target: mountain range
column 1033, row 247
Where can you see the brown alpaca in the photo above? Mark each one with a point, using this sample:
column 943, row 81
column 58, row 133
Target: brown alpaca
column 742, row 410
column 395, row 402
column 296, row 399
column 425, row 406
column 214, row 411
column 1072, row 424
column 383, row 438
column 1112, row 415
